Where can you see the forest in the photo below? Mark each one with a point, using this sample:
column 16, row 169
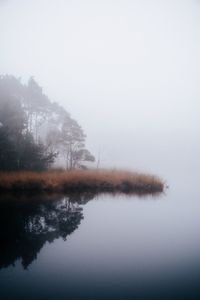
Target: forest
column 35, row 132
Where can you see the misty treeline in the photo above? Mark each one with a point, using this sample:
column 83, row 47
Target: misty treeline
column 34, row 131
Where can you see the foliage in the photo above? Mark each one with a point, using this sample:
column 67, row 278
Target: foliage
column 73, row 144
column 34, row 131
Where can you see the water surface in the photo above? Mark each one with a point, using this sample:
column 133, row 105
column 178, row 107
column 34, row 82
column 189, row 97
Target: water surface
column 101, row 246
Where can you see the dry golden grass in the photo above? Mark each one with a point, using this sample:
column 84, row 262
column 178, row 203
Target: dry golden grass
column 80, row 181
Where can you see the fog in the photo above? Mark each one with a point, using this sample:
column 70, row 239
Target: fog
column 127, row 71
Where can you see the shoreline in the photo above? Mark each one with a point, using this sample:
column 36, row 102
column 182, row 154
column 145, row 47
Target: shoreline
column 99, row 181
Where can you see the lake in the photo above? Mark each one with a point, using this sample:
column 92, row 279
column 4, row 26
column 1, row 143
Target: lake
column 86, row 246
column 100, row 246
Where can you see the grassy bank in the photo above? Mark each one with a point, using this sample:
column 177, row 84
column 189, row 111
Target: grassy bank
column 81, row 181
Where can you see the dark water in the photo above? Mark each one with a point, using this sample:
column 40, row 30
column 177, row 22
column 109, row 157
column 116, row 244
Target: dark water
column 101, row 247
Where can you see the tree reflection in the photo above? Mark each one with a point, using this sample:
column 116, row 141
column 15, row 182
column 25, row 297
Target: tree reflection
column 26, row 224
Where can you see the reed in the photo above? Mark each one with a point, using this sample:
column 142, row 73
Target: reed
column 80, row 181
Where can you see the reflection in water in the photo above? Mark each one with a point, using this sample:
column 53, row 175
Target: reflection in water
column 27, row 224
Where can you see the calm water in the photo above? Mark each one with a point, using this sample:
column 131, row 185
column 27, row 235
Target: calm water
column 102, row 247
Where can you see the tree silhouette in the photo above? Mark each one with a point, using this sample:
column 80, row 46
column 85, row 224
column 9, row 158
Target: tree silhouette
column 34, row 130
column 73, row 144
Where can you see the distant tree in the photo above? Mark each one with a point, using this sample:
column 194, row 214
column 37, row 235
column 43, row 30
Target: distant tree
column 73, row 144
column 53, row 139
column 11, row 86
column 37, row 107
column 34, row 131
column 13, row 123
column 7, row 151
column 35, row 156
column 18, row 150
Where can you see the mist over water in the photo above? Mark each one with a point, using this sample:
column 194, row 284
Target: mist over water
column 123, row 69
column 104, row 246
column 128, row 72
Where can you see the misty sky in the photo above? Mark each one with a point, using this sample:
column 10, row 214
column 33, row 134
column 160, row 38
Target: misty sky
column 122, row 68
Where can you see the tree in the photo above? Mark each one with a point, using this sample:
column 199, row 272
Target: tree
column 34, row 131
column 18, row 150
column 73, row 144
column 37, row 107
column 34, row 156
column 13, row 122
column 7, row 151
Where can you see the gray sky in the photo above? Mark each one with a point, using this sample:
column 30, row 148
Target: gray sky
column 122, row 68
